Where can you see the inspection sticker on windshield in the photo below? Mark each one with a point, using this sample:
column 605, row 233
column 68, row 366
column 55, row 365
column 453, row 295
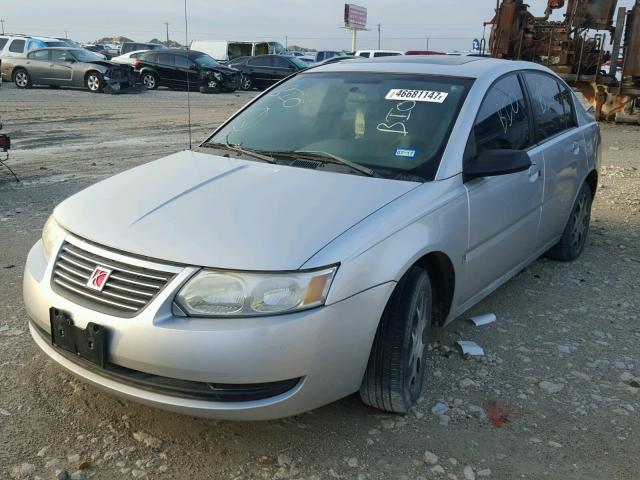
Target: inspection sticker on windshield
column 416, row 95
column 405, row 152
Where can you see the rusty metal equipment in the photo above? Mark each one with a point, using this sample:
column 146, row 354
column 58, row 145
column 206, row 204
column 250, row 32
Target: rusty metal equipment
column 591, row 52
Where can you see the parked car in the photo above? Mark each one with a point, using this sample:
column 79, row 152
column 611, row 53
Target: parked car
column 308, row 59
column 423, row 52
column 176, row 68
column 304, row 251
column 224, row 51
column 99, row 49
column 294, row 53
column 323, row 55
column 129, row 58
column 341, row 58
column 67, row 67
column 377, row 53
column 265, row 70
column 128, row 47
column 18, row 45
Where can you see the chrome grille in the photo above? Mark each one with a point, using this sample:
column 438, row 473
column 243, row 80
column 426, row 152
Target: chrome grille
column 126, row 292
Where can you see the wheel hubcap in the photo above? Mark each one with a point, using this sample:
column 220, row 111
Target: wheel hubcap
column 246, row 83
column 580, row 222
column 149, row 81
column 21, row 79
column 416, row 346
column 93, row 83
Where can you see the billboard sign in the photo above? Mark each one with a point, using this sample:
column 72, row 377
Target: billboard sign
column 355, row 16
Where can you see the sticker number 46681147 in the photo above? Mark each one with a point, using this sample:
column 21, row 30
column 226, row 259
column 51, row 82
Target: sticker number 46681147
column 416, row 95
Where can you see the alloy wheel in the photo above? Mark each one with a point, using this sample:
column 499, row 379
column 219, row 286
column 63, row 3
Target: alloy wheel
column 21, row 79
column 93, row 83
column 149, row 81
column 415, row 367
column 581, row 216
column 247, row 83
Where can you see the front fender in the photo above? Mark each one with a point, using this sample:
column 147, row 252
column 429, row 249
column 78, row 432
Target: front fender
column 382, row 247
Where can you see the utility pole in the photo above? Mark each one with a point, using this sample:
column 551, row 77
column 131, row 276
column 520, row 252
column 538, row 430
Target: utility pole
column 2, row 20
column 286, row 42
column 379, row 25
column 166, row 24
column 427, row 43
column 66, row 34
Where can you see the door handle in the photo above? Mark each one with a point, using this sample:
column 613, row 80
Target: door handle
column 534, row 172
column 576, row 148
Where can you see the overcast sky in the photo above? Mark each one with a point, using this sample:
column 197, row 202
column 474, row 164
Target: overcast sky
column 406, row 24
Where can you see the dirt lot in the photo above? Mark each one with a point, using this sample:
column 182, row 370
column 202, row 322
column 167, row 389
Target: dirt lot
column 556, row 395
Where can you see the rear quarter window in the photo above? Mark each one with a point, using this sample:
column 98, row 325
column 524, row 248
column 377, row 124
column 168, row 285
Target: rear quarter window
column 17, row 46
column 3, row 42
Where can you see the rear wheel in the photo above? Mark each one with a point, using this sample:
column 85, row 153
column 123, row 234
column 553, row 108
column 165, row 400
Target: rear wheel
column 94, row 82
column 395, row 372
column 575, row 232
column 150, row 80
column 21, row 78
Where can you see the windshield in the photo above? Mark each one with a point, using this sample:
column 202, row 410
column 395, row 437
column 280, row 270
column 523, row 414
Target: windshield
column 395, row 124
column 85, row 56
column 205, row 61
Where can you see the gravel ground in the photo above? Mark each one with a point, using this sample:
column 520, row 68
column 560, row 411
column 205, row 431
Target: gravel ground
column 555, row 396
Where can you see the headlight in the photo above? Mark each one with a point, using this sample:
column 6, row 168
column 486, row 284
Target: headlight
column 217, row 76
column 51, row 234
column 215, row 293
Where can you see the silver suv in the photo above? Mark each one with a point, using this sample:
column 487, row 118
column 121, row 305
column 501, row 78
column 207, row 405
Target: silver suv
column 304, row 252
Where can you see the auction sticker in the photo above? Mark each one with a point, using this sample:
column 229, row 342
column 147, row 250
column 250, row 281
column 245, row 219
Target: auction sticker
column 416, row 95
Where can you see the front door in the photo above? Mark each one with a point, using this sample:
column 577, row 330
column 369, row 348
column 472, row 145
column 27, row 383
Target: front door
column 186, row 69
column 260, row 70
column 61, row 67
column 504, row 210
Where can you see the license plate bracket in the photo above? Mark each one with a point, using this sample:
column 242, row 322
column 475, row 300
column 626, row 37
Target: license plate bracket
column 89, row 344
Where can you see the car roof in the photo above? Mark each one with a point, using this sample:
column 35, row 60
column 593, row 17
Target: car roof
column 453, row 66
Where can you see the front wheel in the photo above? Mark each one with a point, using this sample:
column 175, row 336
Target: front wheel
column 395, row 372
column 22, row 79
column 575, row 233
column 246, row 83
column 94, row 82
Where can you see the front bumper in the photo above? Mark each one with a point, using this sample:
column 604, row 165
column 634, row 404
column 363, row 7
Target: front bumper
column 228, row 83
column 322, row 352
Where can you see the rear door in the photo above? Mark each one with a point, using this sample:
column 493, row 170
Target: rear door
column 557, row 134
column 504, row 210
column 38, row 65
column 166, row 68
column 186, row 68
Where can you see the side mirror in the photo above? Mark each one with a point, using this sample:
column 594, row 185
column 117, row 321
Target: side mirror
column 492, row 163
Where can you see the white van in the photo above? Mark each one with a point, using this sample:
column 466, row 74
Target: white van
column 223, row 51
column 377, row 53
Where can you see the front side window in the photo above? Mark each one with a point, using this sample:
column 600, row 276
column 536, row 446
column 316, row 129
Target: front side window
column 84, row 56
column 547, row 104
column 260, row 61
column 566, row 97
column 205, row 60
column 278, row 62
column 396, row 124
column 503, row 119
column 182, row 62
column 60, row 56
column 39, row 55
column 17, row 46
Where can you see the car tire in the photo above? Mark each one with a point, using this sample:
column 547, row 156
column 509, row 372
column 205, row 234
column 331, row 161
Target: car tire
column 395, row 371
column 149, row 80
column 574, row 236
column 94, row 82
column 22, row 79
column 246, row 82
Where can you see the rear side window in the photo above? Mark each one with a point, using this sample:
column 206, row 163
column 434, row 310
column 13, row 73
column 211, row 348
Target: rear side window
column 151, row 57
column 260, row 62
column 547, row 103
column 17, row 46
column 39, row 55
column 503, row 119
column 3, row 42
column 166, row 59
column 364, row 54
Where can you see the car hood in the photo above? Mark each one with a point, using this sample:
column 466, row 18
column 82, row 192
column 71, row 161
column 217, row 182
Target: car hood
column 208, row 210
column 105, row 63
column 222, row 69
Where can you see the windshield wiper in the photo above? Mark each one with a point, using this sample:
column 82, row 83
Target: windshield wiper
column 236, row 148
column 315, row 154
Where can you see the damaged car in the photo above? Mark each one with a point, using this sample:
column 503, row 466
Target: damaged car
column 179, row 69
column 68, row 67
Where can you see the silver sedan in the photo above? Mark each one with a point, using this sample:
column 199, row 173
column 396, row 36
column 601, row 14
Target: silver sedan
column 67, row 67
column 307, row 248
